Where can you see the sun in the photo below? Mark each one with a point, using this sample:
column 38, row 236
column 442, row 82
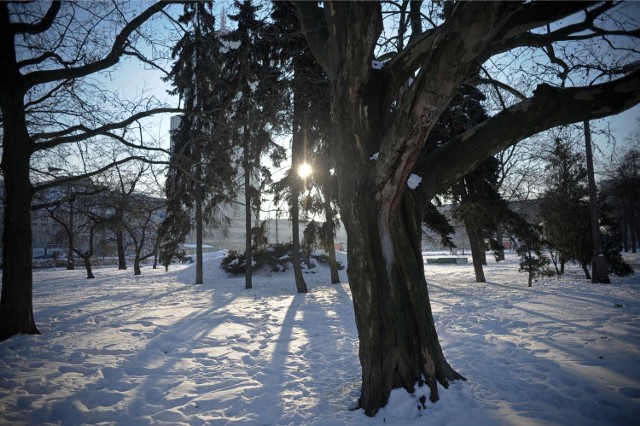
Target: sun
column 305, row 170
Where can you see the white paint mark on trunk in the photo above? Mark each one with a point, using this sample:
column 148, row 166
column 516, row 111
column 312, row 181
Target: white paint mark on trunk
column 413, row 181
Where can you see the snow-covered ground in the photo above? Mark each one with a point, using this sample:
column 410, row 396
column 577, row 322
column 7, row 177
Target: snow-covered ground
column 156, row 349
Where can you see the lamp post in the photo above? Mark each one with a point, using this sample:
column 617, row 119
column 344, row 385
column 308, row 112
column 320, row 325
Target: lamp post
column 599, row 268
column 70, row 263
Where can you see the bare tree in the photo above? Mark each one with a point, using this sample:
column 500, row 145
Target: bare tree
column 76, row 208
column 389, row 107
column 142, row 223
column 53, row 54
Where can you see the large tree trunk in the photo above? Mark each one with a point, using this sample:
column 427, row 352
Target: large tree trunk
column 16, row 308
column 399, row 345
column 398, row 341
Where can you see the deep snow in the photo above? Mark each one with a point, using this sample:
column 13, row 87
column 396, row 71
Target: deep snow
column 156, row 349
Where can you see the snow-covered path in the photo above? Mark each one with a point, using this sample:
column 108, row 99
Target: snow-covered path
column 156, row 349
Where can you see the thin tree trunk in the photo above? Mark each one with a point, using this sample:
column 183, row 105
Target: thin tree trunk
column 87, row 266
column 297, row 158
column 247, row 211
column 473, row 234
column 476, row 253
column 86, row 257
column 301, row 285
column 136, row 265
column 554, row 259
column 624, row 229
column 500, row 251
column 199, row 222
column 122, row 260
column 586, row 271
column 328, row 214
column 531, row 270
column 70, row 263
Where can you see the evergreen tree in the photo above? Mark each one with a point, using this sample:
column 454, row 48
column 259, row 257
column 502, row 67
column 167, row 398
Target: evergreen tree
column 626, row 192
column 610, row 238
column 564, row 208
column 532, row 259
column 256, row 112
column 309, row 89
column 478, row 204
column 201, row 174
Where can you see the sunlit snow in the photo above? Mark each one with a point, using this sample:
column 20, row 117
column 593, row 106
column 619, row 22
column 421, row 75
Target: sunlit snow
column 156, row 349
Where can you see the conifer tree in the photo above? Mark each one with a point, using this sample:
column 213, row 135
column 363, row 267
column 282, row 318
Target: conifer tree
column 564, row 208
column 309, row 89
column 477, row 202
column 256, row 112
column 201, row 173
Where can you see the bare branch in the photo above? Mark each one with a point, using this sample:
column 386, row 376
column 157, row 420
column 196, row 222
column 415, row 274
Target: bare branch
column 112, row 58
column 39, row 27
column 69, row 135
column 497, row 85
column 549, row 107
column 75, row 178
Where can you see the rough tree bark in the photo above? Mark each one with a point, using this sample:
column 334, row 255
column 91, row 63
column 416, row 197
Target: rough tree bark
column 398, row 342
column 16, row 310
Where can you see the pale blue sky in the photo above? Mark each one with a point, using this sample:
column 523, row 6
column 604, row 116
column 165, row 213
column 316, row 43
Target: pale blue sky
column 132, row 77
